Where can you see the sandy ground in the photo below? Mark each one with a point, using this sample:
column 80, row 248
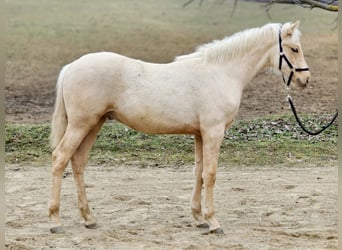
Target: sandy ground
column 276, row 207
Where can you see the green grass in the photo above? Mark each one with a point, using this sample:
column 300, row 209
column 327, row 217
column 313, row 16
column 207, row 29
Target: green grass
column 268, row 141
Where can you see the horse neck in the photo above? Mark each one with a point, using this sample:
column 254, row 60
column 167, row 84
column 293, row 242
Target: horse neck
column 244, row 68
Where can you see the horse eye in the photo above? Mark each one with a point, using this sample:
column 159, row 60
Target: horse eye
column 294, row 50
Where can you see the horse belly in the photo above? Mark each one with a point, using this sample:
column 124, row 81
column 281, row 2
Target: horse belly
column 156, row 121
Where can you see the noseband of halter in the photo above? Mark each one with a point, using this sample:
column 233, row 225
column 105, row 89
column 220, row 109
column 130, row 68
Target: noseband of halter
column 283, row 56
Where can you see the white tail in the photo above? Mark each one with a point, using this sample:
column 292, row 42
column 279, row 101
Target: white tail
column 59, row 119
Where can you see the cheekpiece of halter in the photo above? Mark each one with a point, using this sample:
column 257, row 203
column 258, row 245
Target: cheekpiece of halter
column 283, row 56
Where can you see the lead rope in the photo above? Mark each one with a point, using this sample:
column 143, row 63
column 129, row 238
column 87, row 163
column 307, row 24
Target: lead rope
column 289, row 98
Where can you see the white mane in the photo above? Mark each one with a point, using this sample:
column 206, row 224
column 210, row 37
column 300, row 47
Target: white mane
column 235, row 45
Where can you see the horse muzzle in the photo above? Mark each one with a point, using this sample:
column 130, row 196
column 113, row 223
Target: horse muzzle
column 302, row 79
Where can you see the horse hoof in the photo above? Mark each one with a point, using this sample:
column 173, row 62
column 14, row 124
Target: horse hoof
column 57, row 230
column 91, row 226
column 217, row 231
column 203, row 225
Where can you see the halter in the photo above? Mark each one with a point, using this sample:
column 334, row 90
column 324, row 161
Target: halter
column 283, row 56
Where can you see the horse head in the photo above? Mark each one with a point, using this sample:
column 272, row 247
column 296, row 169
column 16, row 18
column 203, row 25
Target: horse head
column 292, row 63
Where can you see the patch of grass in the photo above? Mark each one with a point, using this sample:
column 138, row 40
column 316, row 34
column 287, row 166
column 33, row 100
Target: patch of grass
column 27, row 143
column 271, row 140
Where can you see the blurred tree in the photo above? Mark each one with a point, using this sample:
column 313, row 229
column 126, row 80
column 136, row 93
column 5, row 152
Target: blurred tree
column 329, row 5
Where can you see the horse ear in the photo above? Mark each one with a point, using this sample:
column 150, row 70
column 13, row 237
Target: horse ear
column 295, row 25
column 291, row 28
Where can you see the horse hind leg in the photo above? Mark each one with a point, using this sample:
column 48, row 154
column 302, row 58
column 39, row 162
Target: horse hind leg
column 78, row 162
column 71, row 140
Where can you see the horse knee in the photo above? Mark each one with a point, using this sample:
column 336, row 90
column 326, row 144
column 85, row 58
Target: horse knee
column 209, row 178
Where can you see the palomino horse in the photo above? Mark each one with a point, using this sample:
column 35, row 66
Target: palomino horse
column 197, row 94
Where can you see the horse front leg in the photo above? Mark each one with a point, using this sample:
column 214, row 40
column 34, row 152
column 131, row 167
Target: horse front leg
column 212, row 140
column 196, row 194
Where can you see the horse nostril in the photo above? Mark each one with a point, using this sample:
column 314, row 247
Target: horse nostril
column 307, row 80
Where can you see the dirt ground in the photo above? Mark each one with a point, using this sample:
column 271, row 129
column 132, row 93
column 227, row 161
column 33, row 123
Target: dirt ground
column 278, row 207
